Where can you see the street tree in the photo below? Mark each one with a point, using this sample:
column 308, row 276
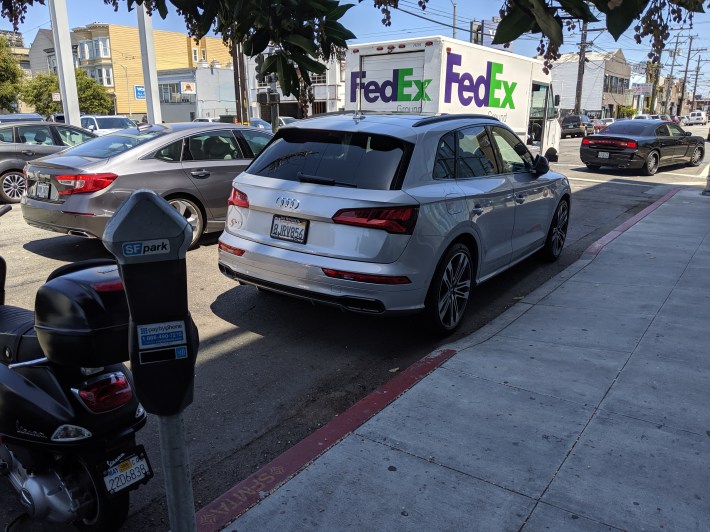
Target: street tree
column 93, row 98
column 305, row 33
column 10, row 77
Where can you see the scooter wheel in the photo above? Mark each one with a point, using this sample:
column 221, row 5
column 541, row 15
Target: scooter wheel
column 106, row 513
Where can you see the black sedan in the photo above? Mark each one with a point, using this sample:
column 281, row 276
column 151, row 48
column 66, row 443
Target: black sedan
column 642, row 144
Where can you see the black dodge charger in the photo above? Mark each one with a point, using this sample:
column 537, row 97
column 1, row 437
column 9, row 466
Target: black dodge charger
column 642, row 144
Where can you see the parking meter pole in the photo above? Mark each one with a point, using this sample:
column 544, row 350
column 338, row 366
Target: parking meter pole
column 176, row 467
column 149, row 240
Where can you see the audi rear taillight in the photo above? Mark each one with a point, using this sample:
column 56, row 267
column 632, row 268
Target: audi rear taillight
column 238, row 199
column 366, row 278
column 84, row 183
column 230, row 249
column 106, row 393
column 397, row 220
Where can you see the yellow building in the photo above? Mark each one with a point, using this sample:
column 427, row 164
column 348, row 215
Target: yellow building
column 111, row 55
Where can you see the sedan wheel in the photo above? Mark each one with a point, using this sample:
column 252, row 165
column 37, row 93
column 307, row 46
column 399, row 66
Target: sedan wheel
column 697, row 156
column 651, row 165
column 450, row 289
column 192, row 213
column 13, row 186
column 557, row 234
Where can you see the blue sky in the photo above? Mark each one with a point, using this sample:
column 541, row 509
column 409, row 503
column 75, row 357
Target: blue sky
column 364, row 21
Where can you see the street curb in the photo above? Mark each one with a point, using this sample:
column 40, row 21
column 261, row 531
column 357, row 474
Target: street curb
column 594, row 250
column 226, row 508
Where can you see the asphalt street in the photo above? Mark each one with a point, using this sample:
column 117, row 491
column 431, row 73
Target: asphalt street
column 271, row 369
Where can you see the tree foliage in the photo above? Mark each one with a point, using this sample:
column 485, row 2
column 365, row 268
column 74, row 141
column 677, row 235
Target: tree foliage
column 93, row 98
column 304, row 32
column 10, row 77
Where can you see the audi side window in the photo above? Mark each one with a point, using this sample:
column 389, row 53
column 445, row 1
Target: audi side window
column 474, row 155
column 6, row 135
column 513, row 153
column 445, row 162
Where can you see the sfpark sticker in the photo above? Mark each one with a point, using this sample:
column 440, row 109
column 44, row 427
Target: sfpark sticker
column 146, row 247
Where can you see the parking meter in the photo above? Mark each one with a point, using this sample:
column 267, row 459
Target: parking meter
column 149, row 240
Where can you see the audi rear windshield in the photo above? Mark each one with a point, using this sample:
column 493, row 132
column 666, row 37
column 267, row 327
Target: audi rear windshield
column 338, row 158
column 113, row 144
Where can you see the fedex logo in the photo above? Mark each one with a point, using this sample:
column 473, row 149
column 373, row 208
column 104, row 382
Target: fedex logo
column 397, row 89
column 486, row 91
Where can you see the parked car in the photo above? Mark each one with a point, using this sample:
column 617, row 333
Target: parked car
column 697, row 118
column 683, row 120
column 261, row 124
column 644, row 145
column 207, row 119
column 21, row 142
column 286, row 120
column 576, row 126
column 665, row 118
column 21, row 117
column 601, row 123
column 191, row 165
column 391, row 213
column 102, row 125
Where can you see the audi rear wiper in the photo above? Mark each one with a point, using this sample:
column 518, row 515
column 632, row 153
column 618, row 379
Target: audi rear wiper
column 305, row 178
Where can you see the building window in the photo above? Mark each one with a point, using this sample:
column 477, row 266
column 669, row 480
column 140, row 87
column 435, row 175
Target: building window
column 195, row 57
column 84, row 53
column 101, row 47
column 52, row 63
column 103, row 75
column 319, row 79
column 170, row 93
column 204, row 54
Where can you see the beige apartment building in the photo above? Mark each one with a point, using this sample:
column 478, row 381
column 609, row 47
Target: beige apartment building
column 111, row 55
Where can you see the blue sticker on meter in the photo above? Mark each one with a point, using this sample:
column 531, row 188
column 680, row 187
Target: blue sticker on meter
column 156, row 335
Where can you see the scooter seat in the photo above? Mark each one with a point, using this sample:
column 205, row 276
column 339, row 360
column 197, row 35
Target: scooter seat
column 18, row 340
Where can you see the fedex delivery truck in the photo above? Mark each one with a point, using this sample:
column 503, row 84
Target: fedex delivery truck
column 437, row 75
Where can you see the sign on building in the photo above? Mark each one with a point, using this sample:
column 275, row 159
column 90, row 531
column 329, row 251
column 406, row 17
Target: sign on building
column 187, row 87
column 644, row 89
column 56, row 97
column 139, row 92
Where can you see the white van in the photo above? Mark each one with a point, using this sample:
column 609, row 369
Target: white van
column 697, row 117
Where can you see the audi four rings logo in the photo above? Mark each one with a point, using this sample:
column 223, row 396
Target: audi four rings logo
column 288, row 203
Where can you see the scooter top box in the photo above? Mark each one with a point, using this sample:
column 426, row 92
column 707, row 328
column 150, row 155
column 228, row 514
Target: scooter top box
column 81, row 316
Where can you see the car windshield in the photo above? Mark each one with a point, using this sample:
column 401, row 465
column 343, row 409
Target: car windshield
column 113, row 144
column 113, row 122
column 359, row 160
column 629, row 127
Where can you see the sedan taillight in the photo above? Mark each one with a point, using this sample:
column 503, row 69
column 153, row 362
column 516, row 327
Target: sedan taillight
column 84, row 183
column 397, row 220
column 610, row 142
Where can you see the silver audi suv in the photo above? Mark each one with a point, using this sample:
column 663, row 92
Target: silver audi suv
column 391, row 213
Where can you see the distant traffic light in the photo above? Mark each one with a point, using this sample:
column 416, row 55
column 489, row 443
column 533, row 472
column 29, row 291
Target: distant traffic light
column 259, row 59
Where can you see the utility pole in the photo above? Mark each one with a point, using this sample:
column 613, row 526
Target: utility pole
column 670, row 78
column 695, row 85
column 685, row 77
column 580, row 69
column 242, row 115
column 453, row 31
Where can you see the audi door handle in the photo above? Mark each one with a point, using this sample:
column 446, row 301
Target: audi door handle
column 200, row 173
column 519, row 199
column 28, row 152
column 477, row 209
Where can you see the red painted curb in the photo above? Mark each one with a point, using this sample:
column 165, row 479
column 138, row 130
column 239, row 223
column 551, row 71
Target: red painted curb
column 226, row 508
column 593, row 250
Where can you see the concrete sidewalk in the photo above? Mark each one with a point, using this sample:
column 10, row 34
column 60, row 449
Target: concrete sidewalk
column 586, row 406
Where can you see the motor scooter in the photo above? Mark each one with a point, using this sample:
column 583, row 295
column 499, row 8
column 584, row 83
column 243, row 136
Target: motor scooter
column 68, row 411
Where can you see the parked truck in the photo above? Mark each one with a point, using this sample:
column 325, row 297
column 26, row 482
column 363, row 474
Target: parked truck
column 438, row 75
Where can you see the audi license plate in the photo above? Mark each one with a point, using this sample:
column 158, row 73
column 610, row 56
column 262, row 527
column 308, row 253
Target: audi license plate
column 603, row 155
column 133, row 467
column 290, row 229
column 43, row 190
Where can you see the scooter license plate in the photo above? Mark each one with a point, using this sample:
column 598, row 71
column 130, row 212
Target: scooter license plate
column 127, row 470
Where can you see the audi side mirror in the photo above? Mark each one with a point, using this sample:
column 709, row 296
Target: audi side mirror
column 541, row 166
